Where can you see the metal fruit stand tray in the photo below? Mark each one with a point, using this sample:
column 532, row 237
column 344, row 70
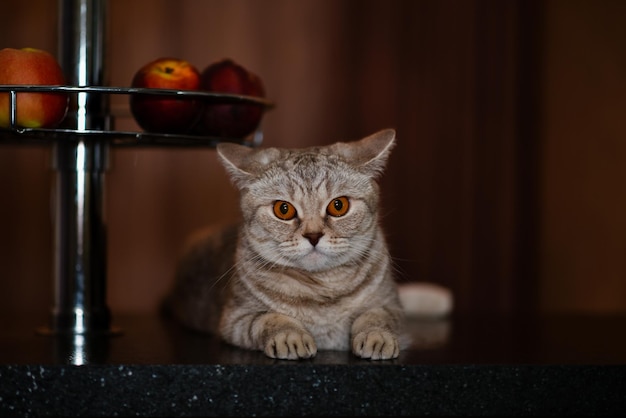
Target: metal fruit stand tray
column 20, row 135
column 80, row 148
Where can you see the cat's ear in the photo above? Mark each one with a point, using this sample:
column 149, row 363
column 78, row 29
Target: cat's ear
column 243, row 162
column 369, row 154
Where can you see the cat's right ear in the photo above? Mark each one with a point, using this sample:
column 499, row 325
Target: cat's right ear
column 242, row 162
column 368, row 154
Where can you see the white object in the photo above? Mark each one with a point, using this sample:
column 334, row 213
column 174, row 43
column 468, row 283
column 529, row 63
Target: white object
column 425, row 299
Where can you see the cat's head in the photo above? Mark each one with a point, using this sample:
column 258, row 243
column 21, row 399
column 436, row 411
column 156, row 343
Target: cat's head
column 311, row 208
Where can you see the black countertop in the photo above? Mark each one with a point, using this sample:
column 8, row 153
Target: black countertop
column 464, row 365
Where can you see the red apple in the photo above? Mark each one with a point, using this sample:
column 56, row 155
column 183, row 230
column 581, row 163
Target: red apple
column 30, row 66
column 166, row 114
column 232, row 120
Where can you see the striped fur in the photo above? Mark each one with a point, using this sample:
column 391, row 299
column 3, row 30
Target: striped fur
column 263, row 285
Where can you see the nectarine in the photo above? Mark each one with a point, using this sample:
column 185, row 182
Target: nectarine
column 156, row 113
column 234, row 120
column 31, row 66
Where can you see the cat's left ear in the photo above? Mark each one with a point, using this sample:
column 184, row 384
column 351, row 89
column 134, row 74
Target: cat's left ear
column 371, row 153
column 243, row 162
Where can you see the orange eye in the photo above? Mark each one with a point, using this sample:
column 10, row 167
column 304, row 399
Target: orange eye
column 338, row 206
column 284, row 210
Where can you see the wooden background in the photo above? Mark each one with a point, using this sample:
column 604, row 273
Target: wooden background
column 507, row 184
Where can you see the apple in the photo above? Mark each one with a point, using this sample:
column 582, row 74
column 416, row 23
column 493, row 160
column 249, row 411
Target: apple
column 157, row 113
column 31, row 66
column 232, row 120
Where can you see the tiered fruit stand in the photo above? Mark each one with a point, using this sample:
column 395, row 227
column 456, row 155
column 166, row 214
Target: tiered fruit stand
column 80, row 149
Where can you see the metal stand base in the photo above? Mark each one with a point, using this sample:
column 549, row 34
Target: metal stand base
column 80, row 259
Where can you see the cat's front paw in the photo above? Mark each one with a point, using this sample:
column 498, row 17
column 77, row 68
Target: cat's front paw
column 376, row 344
column 291, row 345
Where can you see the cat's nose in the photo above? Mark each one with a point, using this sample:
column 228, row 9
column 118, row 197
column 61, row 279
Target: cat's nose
column 313, row 237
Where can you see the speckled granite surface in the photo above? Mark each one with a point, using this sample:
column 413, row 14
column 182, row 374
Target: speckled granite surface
column 461, row 366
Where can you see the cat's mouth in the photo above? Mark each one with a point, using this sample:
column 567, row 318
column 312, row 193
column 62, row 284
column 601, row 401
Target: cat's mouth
column 314, row 254
column 311, row 258
column 316, row 259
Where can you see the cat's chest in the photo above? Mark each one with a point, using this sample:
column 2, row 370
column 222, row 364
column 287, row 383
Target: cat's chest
column 330, row 327
column 325, row 305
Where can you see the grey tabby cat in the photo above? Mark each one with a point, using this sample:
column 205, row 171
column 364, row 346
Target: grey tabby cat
column 308, row 267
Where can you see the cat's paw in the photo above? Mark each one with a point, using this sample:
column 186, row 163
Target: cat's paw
column 376, row 344
column 291, row 345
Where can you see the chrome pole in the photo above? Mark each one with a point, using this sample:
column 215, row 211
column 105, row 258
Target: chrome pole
column 80, row 240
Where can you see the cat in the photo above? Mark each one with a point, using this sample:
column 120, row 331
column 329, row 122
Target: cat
column 308, row 266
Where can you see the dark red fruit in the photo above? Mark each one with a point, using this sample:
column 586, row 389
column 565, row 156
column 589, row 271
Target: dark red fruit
column 232, row 120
